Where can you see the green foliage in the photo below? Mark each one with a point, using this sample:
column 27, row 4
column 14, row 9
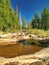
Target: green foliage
column 8, row 20
column 29, row 25
column 24, row 24
column 40, row 33
column 36, row 21
column 43, row 22
column 18, row 19
column 45, row 18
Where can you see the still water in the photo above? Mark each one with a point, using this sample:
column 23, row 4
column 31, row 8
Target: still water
column 17, row 49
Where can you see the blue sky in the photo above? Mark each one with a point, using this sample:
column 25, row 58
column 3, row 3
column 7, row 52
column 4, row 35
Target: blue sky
column 29, row 7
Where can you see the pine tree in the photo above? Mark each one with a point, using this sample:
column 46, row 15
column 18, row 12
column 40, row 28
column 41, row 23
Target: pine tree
column 8, row 20
column 17, row 18
column 24, row 24
column 29, row 25
column 45, row 18
column 36, row 21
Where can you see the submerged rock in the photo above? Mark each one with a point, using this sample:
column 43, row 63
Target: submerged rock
column 11, row 63
column 39, row 58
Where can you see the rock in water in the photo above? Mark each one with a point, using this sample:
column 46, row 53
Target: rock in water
column 39, row 58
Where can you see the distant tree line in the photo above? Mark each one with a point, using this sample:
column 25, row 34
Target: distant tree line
column 41, row 22
column 10, row 21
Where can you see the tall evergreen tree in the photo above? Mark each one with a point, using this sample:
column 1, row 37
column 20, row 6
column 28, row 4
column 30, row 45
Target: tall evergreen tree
column 45, row 18
column 36, row 21
column 8, row 20
column 29, row 25
column 18, row 18
column 24, row 24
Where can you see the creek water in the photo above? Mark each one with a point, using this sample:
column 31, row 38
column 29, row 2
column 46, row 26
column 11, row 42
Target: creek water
column 19, row 48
